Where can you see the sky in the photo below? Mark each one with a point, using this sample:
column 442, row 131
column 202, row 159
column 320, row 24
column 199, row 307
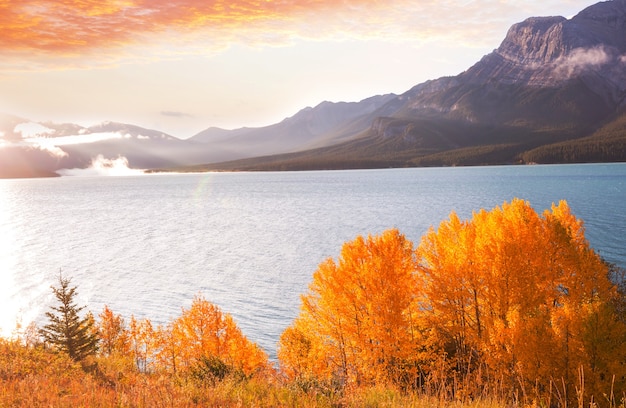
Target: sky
column 181, row 66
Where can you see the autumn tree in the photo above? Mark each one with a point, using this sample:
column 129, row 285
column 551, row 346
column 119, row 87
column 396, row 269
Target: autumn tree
column 112, row 332
column 203, row 333
column 66, row 330
column 521, row 295
column 510, row 298
column 142, row 341
column 356, row 323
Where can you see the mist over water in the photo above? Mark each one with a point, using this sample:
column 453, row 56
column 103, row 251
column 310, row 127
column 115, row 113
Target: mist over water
column 101, row 166
column 250, row 242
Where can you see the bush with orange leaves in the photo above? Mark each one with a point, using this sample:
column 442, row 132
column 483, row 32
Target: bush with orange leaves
column 509, row 299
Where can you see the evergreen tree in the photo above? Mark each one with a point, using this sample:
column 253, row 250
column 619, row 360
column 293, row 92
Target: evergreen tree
column 66, row 330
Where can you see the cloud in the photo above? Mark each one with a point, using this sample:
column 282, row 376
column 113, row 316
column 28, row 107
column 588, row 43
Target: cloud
column 583, row 59
column 78, row 139
column 63, row 32
column 50, row 148
column 74, row 26
column 32, row 129
column 34, row 137
column 41, row 144
column 101, row 166
column 174, row 114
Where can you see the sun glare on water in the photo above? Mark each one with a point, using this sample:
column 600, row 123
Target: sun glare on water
column 20, row 288
column 10, row 310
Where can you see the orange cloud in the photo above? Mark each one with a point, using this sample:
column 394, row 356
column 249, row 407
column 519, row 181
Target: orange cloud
column 71, row 26
column 46, row 30
column 59, row 26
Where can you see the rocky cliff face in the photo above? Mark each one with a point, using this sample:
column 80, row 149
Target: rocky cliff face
column 538, row 40
column 548, row 51
column 546, row 70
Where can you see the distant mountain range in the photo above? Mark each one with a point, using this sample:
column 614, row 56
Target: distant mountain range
column 554, row 91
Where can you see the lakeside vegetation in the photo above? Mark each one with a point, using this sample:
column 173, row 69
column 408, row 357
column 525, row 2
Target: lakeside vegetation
column 508, row 308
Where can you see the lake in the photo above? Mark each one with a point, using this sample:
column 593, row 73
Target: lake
column 250, row 242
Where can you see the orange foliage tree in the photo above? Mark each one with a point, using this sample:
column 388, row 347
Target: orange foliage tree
column 356, row 321
column 509, row 299
column 197, row 340
column 204, row 332
column 112, row 332
column 524, row 297
column 143, row 343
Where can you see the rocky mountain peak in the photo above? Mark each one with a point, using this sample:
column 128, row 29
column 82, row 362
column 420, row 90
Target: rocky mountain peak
column 544, row 40
column 606, row 12
column 549, row 51
column 535, row 40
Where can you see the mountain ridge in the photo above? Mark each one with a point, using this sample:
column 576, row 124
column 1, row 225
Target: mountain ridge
column 552, row 85
column 551, row 80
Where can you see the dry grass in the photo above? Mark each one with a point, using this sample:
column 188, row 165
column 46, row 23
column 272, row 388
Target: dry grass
column 34, row 377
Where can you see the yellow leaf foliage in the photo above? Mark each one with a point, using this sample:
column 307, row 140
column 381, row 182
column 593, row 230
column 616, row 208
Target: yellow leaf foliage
column 355, row 324
column 112, row 333
column 204, row 330
column 518, row 294
column 509, row 299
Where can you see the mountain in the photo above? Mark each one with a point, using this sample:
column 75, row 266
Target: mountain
column 29, row 149
column 309, row 128
column 553, row 91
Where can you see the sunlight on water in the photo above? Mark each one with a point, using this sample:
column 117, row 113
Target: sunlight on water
column 203, row 188
column 8, row 305
column 16, row 288
column 23, row 288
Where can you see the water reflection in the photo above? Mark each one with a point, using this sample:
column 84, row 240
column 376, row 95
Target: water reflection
column 8, row 288
column 21, row 288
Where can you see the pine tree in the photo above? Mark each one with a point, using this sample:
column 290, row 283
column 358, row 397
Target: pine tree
column 66, row 330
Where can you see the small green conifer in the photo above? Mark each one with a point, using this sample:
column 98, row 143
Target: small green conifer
column 66, row 330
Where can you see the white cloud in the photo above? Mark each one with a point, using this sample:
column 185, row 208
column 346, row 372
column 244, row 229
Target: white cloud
column 31, row 129
column 101, row 166
column 582, row 59
column 39, row 144
column 78, row 139
column 35, row 139
column 50, row 148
